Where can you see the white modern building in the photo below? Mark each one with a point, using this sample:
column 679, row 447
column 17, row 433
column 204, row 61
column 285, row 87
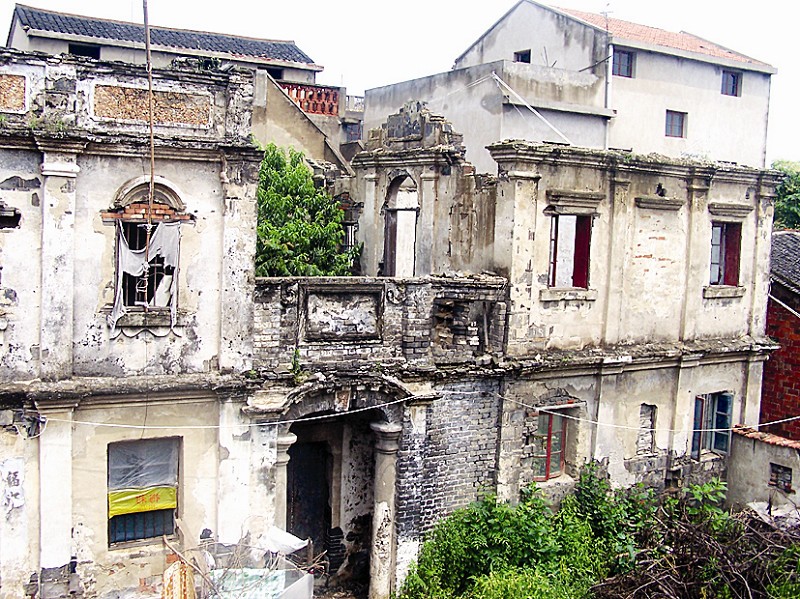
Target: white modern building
column 559, row 75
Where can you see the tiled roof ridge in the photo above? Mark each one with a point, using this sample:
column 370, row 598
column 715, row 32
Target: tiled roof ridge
column 769, row 438
column 106, row 26
column 785, row 256
column 159, row 27
column 660, row 37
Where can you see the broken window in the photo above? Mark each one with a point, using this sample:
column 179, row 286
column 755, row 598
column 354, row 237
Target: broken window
column 726, row 241
column 400, row 228
column 645, row 441
column 147, row 252
column 622, row 63
column 546, row 445
column 570, row 237
column 9, row 217
column 88, row 50
column 780, row 477
column 712, row 423
column 522, row 56
column 142, row 489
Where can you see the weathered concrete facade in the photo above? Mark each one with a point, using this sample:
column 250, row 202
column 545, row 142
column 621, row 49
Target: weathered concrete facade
column 75, row 157
column 556, row 312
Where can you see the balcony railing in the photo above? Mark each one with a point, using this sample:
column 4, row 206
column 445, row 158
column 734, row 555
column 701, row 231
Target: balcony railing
column 355, row 103
column 313, row 99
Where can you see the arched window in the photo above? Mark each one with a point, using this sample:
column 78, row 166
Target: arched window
column 147, row 248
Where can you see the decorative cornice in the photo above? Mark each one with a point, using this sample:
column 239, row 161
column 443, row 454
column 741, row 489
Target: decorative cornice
column 659, row 203
column 729, row 210
column 569, row 201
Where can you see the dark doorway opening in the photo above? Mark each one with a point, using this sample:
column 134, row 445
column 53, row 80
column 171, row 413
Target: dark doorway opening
column 308, row 509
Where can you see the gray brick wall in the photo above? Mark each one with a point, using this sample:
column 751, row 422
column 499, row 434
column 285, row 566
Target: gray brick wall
column 454, row 460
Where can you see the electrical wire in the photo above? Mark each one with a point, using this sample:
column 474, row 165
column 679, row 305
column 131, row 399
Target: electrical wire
column 544, row 409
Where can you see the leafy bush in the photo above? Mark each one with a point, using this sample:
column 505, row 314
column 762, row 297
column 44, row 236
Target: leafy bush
column 787, row 202
column 299, row 228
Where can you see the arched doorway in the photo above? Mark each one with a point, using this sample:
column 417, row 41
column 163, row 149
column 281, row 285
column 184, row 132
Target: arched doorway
column 339, row 456
column 400, row 227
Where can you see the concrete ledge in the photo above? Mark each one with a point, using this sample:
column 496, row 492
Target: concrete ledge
column 722, row 291
column 568, row 294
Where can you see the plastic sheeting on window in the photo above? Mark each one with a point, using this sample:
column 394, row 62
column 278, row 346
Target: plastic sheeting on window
column 142, row 476
column 164, row 242
column 143, row 464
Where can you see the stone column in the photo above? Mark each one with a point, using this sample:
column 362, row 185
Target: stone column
column 616, row 258
column 426, row 225
column 371, row 223
column 239, row 179
column 55, row 499
column 515, row 229
column 59, row 171
column 382, row 556
column 697, row 251
column 284, row 442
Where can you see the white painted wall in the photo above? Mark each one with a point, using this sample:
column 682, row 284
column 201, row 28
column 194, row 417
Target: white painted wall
column 719, row 127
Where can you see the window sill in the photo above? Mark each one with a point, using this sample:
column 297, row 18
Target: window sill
column 149, row 542
column 567, row 294
column 710, row 455
column 141, row 319
column 722, row 291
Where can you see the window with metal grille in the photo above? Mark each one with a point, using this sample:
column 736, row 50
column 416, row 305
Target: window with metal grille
column 622, row 64
column 143, row 525
column 142, row 290
column 675, row 124
column 547, row 443
column 712, row 423
column 570, row 239
column 731, row 83
column 726, row 241
column 142, row 489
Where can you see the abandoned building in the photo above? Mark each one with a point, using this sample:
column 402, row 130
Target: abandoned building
column 559, row 75
column 152, row 386
column 289, row 107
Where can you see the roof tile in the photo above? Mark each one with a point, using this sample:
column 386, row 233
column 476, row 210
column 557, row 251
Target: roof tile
column 45, row 20
column 785, row 261
column 659, row 37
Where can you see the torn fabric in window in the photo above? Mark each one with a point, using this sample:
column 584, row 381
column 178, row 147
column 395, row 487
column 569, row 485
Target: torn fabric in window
column 162, row 252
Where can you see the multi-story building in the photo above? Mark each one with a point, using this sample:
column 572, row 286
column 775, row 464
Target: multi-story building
column 570, row 77
column 289, row 107
column 152, row 388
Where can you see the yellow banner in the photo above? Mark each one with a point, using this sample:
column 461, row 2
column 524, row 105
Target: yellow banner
column 130, row 501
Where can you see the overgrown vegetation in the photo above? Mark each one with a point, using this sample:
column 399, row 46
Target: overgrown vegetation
column 300, row 228
column 787, row 202
column 604, row 543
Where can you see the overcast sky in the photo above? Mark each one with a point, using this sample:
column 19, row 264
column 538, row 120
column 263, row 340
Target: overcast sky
column 369, row 43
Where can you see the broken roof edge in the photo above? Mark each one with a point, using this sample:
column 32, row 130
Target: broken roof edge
column 52, row 33
column 536, row 151
column 769, row 438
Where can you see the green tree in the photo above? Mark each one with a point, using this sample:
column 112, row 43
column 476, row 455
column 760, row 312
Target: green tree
column 787, row 203
column 300, row 229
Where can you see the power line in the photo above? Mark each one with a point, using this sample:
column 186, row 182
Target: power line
column 543, row 409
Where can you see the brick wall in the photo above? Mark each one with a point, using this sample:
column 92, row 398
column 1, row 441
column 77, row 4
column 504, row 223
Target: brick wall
column 780, row 394
column 448, row 456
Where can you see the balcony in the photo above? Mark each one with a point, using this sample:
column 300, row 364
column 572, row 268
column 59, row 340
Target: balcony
column 355, row 103
column 313, row 99
column 347, row 322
